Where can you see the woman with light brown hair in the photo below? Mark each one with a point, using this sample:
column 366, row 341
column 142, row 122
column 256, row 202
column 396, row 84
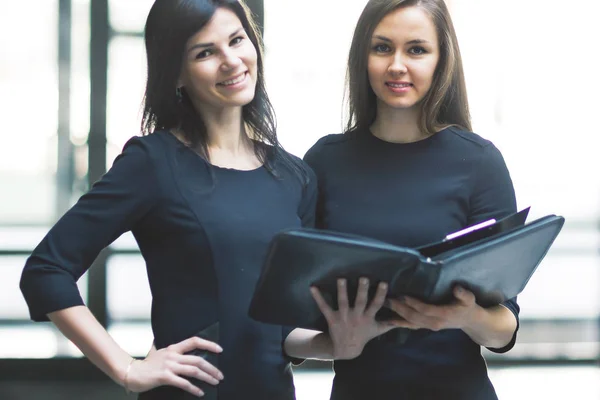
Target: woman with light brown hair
column 408, row 170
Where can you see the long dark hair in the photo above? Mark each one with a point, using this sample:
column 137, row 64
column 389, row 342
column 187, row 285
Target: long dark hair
column 446, row 101
column 169, row 25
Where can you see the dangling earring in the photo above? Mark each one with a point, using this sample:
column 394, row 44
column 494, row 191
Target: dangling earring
column 178, row 95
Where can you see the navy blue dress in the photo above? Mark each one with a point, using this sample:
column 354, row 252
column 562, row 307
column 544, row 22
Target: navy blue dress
column 409, row 195
column 203, row 236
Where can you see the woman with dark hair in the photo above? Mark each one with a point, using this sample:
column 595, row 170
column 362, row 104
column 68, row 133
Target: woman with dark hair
column 408, row 171
column 203, row 192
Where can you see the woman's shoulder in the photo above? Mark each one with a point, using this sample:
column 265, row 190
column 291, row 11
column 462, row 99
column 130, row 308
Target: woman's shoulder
column 143, row 156
column 467, row 138
column 469, row 145
column 151, row 147
column 334, row 139
column 323, row 147
column 149, row 142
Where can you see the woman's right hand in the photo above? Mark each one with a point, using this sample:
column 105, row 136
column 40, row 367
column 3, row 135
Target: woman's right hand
column 350, row 328
column 170, row 366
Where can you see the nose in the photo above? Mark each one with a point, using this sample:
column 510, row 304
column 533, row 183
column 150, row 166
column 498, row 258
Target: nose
column 397, row 66
column 231, row 61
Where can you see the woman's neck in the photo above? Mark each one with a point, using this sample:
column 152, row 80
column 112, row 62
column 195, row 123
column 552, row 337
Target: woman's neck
column 225, row 130
column 227, row 143
column 398, row 125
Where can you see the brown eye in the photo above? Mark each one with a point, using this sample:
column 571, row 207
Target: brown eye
column 381, row 48
column 418, row 50
column 237, row 40
column 203, row 54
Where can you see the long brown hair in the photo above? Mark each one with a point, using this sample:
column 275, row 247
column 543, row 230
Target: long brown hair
column 446, row 101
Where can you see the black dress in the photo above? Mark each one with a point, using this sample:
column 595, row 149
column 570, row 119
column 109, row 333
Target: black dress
column 410, row 195
column 203, row 236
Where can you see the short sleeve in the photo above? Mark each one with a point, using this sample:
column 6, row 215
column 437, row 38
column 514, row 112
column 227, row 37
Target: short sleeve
column 493, row 196
column 112, row 206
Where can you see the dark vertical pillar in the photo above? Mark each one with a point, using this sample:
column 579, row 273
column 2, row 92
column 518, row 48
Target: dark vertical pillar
column 65, row 170
column 100, row 36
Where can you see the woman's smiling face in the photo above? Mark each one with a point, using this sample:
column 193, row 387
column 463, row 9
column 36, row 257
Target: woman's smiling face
column 220, row 64
column 403, row 56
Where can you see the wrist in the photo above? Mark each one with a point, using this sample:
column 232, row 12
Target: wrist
column 474, row 319
column 126, row 376
column 490, row 327
column 322, row 344
column 120, row 370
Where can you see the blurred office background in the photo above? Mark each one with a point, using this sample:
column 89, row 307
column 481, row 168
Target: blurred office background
column 72, row 75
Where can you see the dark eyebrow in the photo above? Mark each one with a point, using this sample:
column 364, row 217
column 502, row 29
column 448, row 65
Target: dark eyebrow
column 414, row 41
column 417, row 41
column 383, row 38
column 205, row 45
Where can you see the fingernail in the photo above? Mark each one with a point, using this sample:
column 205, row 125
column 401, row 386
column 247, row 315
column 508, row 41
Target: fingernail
column 459, row 289
column 364, row 281
column 383, row 286
column 221, row 377
column 341, row 282
column 219, row 349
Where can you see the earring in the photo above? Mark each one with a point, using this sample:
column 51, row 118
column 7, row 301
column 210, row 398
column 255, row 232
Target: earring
column 178, row 94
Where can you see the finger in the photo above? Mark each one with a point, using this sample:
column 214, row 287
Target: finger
column 406, row 312
column 434, row 315
column 429, row 310
column 385, row 326
column 464, row 295
column 361, row 295
column 396, row 323
column 194, row 372
column 419, row 320
column 201, row 363
column 378, row 300
column 184, row 384
column 342, row 296
column 194, row 343
column 436, row 319
column 393, row 304
column 321, row 303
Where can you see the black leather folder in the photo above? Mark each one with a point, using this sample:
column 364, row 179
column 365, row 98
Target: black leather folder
column 495, row 262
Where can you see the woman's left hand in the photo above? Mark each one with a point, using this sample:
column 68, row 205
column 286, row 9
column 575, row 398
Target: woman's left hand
column 418, row 315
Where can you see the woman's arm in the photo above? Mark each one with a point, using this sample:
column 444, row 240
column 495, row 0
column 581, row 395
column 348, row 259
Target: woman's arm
column 115, row 204
column 492, row 327
column 161, row 367
column 80, row 326
column 309, row 344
